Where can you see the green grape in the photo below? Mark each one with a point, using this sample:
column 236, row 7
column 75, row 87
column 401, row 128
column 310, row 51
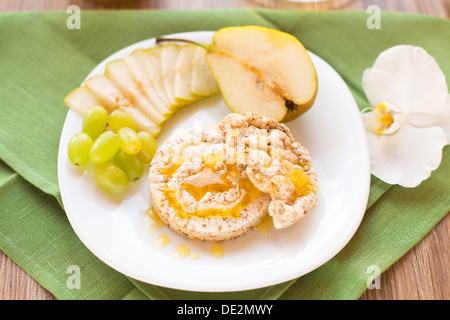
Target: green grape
column 149, row 146
column 129, row 140
column 94, row 121
column 79, row 147
column 119, row 119
column 130, row 164
column 110, row 177
column 104, row 147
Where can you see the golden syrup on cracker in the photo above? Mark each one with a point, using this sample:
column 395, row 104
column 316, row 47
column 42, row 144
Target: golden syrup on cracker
column 301, row 181
column 171, row 167
column 214, row 177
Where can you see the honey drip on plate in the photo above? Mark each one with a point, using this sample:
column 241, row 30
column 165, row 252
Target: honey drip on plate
column 217, row 251
column 181, row 252
column 153, row 221
column 162, row 241
column 194, row 256
column 265, row 225
column 214, row 177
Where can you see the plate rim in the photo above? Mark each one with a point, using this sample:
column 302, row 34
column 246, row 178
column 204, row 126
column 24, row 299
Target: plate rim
column 126, row 271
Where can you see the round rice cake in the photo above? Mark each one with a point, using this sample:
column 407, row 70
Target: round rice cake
column 217, row 183
column 180, row 160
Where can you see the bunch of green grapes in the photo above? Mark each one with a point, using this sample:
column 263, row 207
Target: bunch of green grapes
column 113, row 143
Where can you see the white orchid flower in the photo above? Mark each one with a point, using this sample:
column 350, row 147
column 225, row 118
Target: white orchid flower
column 408, row 123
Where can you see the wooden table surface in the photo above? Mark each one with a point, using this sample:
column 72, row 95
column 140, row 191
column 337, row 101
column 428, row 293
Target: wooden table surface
column 423, row 273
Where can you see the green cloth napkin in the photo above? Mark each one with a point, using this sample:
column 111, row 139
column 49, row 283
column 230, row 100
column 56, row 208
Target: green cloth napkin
column 41, row 60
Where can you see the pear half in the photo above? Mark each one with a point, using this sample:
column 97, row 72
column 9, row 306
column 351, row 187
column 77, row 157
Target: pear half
column 263, row 70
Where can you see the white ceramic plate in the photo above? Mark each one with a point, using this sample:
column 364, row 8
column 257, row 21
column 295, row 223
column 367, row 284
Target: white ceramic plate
column 114, row 229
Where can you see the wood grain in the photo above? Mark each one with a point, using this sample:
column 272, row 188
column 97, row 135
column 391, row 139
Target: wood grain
column 422, row 274
column 16, row 284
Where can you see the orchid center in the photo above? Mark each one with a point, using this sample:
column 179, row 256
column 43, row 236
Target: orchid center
column 381, row 119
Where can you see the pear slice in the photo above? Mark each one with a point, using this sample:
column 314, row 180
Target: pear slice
column 168, row 59
column 81, row 99
column 142, row 122
column 107, row 92
column 153, row 66
column 138, row 71
column 118, row 72
column 183, row 74
column 202, row 82
column 281, row 81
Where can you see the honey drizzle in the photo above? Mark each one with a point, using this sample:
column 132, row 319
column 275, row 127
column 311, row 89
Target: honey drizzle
column 207, row 180
column 301, row 181
column 215, row 177
column 171, row 167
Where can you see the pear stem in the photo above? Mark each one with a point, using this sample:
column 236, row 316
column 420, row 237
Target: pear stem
column 162, row 39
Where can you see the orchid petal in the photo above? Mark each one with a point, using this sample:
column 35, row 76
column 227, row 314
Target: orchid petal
column 439, row 119
column 408, row 156
column 446, row 115
column 407, row 77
